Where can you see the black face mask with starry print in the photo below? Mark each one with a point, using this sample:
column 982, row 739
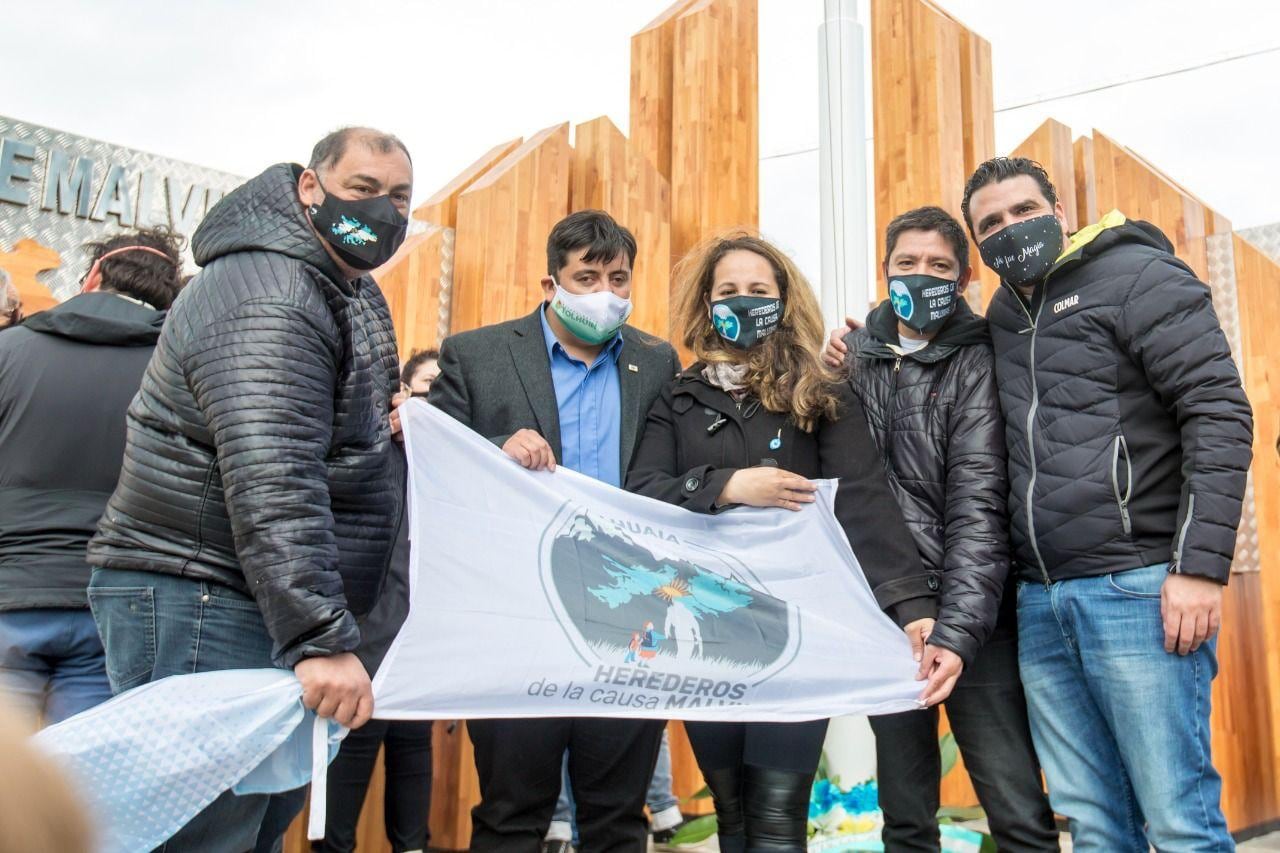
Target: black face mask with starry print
column 1024, row 252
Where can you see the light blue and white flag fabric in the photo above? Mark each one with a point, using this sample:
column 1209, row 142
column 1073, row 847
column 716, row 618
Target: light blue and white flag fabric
column 550, row 594
column 149, row 760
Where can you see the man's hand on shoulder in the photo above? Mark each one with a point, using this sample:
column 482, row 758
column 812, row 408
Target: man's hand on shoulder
column 336, row 687
column 836, row 350
column 1191, row 608
column 531, row 450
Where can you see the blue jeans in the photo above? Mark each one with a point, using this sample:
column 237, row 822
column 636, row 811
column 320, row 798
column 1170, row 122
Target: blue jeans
column 154, row 626
column 658, row 798
column 1121, row 726
column 53, row 661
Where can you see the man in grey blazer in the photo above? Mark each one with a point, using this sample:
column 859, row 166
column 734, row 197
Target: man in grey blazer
column 568, row 384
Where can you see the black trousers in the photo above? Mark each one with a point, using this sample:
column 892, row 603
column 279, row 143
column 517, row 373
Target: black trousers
column 518, row 762
column 988, row 716
column 407, row 802
column 761, row 778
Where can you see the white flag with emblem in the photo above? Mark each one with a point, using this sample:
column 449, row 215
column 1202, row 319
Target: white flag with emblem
column 547, row 594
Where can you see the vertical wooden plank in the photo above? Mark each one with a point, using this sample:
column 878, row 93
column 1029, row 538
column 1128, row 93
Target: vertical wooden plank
column 651, row 87
column 978, row 109
column 610, row 175
column 1253, row 650
column 686, row 779
column 1086, row 182
column 715, row 152
column 442, row 207
column 415, row 283
column 1050, row 146
column 919, row 111
column 503, row 221
column 1129, row 184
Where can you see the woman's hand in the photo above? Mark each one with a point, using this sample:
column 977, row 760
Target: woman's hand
column 767, row 486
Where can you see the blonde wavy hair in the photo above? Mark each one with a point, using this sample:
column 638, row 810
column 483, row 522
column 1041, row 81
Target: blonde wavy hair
column 785, row 370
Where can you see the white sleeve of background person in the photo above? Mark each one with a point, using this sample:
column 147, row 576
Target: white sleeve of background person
column 548, row 594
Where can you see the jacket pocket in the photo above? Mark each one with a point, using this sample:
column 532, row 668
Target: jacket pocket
column 1120, row 461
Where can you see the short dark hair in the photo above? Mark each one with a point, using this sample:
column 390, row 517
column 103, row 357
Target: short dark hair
column 999, row 169
column 928, row 219
column 415, row 361
column 329, row 151
column 594, row 230
column 142, row 275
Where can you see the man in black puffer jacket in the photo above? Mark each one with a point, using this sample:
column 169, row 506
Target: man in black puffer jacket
column 924, row 371
column 254, row 517
column 66, row 378
column 1129, row 439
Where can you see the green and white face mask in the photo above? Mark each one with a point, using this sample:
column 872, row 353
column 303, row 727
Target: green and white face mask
column 592, row 318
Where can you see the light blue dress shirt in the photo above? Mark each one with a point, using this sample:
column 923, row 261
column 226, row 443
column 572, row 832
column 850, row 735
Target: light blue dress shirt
column 589, row 398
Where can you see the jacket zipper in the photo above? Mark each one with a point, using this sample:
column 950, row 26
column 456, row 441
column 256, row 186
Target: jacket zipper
column 1121, row 446
column 1031, row 416
column 1182, row 535
column 893, row 413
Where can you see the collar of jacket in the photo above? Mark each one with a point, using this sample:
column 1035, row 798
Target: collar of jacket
column 265, row 214
column 691, row 382
column 100, row 317
column 963, row 329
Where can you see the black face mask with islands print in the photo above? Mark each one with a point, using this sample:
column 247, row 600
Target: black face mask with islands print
column 1023, row 253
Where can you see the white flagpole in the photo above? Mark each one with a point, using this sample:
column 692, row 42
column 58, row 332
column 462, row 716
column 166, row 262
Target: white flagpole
column 842, row 189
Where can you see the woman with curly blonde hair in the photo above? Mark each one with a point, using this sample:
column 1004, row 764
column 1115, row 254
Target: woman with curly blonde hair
column 750, row 424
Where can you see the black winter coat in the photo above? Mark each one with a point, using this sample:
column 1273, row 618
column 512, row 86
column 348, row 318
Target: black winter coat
column 258, row 451
column 1129, row 434
column 66, row 378
column 684, row 461
column 935, row 415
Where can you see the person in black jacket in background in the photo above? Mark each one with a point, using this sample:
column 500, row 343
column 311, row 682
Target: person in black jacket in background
column 749, row 424
column 1129, row 439
column 66, row 378
column 255, row 514
column 924, row 371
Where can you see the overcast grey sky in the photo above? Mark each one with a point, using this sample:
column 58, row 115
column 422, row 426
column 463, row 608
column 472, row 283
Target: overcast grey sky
column 236, row 85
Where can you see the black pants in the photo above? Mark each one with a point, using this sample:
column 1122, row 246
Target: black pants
column 988, row 715
column 518, row 763
column 761, row 777
column 407, row 802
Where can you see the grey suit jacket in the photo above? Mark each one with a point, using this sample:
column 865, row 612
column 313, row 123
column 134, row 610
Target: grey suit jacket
column 497, row 381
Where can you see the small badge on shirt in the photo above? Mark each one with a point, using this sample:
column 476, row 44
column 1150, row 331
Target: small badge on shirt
column 633, row 368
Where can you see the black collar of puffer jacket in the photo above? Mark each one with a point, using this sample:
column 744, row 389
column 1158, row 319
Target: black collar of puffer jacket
column 265, row 214
column 963, row 329
column 100, row 318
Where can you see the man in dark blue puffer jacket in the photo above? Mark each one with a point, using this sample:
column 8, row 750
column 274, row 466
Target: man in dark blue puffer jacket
column 1129, row 438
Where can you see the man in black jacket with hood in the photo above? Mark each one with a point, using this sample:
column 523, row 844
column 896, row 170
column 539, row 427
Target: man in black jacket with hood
column 256, row 511
column 924, row 371
column 1129, row 439
column 66, row 378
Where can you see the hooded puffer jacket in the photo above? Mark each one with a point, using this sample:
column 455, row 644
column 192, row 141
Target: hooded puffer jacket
column 66, row 378
column 258, row 447
column 936, row 418
column 1128, row 431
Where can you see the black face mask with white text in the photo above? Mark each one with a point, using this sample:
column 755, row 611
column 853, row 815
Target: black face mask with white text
column 1023, row 253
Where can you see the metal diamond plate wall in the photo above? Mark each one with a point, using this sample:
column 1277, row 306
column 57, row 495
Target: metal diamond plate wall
column 1266, row 238
column 1222, row 283
column 64, row 190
